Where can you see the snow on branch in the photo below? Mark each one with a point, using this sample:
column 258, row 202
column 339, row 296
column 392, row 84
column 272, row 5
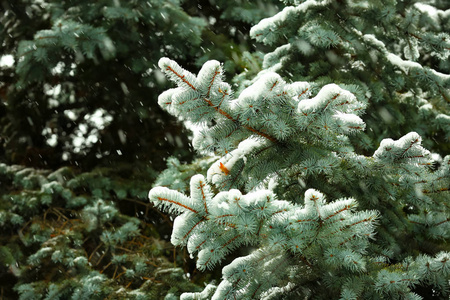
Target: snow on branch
column 214, row 226
column 270, row 29
column 269, row 113
column 405, row 65
column 406, row 149
column 332, row 108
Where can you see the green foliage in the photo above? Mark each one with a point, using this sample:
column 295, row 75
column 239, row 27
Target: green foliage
column 311, row 131
column 214, row 227
column 345, row 77
column 343, row 106
column 69, row 236
column 396, row 52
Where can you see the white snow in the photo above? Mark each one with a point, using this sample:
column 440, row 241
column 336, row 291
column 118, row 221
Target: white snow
column 6, row 61
column 202, row 295
column 221, row 167
column 258, row 197
column 208, row 72
column 223, row 206
column 313, row 197
column 325, row 95
column 349, row 120
column 371, row 38
column 300, row 90
column 409, row 142
column 260, row 86
column 430, row 10
column 404, row 65
column 287, row 13
column 178, row 233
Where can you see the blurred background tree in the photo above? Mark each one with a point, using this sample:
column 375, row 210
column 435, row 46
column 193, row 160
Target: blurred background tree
column 82, row 139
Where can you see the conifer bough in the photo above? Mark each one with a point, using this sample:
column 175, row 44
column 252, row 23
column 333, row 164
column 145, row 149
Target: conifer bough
column 292, row 241
column 381, row 234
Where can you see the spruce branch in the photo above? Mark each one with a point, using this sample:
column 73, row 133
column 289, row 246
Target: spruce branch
column 230, row 220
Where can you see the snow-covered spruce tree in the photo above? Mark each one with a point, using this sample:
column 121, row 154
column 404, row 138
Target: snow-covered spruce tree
column 317, row 218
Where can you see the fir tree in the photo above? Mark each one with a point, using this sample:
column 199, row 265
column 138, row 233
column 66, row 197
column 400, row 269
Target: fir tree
column 322, row 172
